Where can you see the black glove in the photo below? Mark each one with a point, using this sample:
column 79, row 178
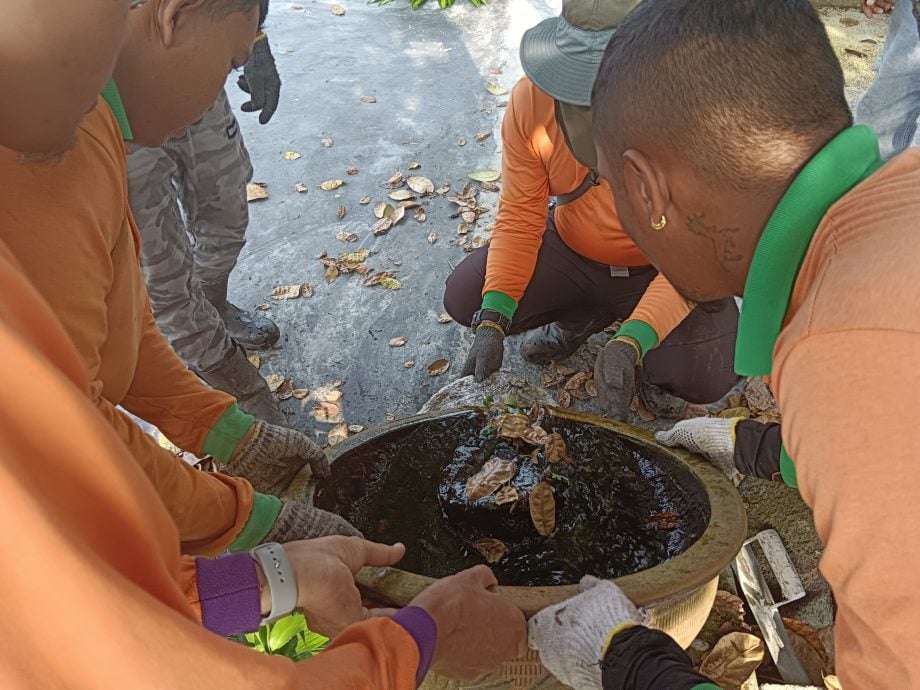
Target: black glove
column 485, row 357
column 615, row 376
column 261, row 81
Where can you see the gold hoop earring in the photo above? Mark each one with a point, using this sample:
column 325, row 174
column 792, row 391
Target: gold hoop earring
column 660, row 224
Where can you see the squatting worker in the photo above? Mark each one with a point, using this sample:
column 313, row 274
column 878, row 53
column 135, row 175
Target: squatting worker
column 565, row 272
column 102, row 548
column 699, row 116
column 81, row 252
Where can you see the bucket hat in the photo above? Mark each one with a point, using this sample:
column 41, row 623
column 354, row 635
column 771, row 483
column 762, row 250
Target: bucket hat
column 561, row 55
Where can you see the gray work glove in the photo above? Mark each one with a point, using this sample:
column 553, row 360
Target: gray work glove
column 486, row 354
column 261, row 81
column 572, row 636
column 269, row 456
column 299, row 520
column 713, row 438
column 615, row 376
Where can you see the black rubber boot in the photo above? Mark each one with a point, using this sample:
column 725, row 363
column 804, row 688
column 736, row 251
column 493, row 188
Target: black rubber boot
column 553, row 343
column 236, row 376
column 248, row 329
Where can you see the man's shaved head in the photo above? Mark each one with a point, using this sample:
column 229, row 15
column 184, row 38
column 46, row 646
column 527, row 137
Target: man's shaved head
column 740, row 89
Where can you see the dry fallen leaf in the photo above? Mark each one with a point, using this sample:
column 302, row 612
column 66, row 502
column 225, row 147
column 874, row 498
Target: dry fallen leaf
column 491, row 549
column 420, row 185
column 399, row 341
column 554, row 447
column 352, row 171
column 512, row 425
column 409, row 364
column 398, row 213
column 389, row 282
column 758, row 396
column 484, row 175
column 355, row 428
column 327, row 412
column 300, row 188
column 469, row 217
column 389, row 416
column 478, row 241
column 507, row 494
column 354, row 259
column 496, row 89
column 326, row 142
column 290, row 155
column 264, row 306
column 255, row 192
column 382, row 226
column 420, row 215
column 414, row 165
column 285, row 390
column 564, row 398
column 441, row 191
column 396, row 181
column 343, row 236
column 438, row 367
column 640, row 408
column 368, row 99
column 493, row 474
column 382, row 208
column 341, row 212
column 331, row 273
column 591, row 388
column 432, row 237
column 402, row 194
column 255, row 360
column 489, row 187
column 461, row 142
column 832, row 683
column 292, row 291
column 463, row 229
column 338, row 11
column 543, row 508
column 328, row 392
column 300, row 393
column 365, row 200
column 732, row 659
column 274, row 381
column 847, row 21
column 337, row 434
column 445, row 318
column 482, row 136
column 330, row 185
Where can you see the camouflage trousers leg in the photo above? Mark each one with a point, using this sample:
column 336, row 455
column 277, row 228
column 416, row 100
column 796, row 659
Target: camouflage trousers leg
column 188, row 198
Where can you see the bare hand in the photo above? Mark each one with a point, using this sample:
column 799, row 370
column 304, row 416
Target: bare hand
column 872, row 8
column 477, row 630
column 325, row 571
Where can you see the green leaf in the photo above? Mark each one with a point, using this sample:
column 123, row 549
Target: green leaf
column 309, row 644
column 484, row 175
column 284, row 630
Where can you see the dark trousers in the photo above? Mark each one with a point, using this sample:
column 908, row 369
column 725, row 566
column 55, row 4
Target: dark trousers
column 695, row 362
column 757, row 449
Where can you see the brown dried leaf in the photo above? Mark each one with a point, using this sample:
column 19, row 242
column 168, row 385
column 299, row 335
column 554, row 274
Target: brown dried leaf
column 331, row 273
column 343, row 236
column 758, row 396
column 733, row 659
column 255, row 192
column 512, row 425
column 847, row 21
column 478, row 241
column 409, row 364
column 441, row 191
column 290, row 155
column 507, row 494
column 330, row 185
column 638, row 406
column 421, row 185
column 337, row 434
column 491, row 549
column 365, row 200
column 665, row 521
column 328, row 392
column 493, row 474
column 408, row 204
column 338, row 11
column 389, row 416
column 554, row 447
column 543, row 508
column 402, row 194
column 469, row 216
column 490, row 187
column 399, row 341
column 445, row 318
column 382, row 226
column 577, row 381
column 482, row 136
column 274, row 381
column 461, row 142
column 564, row 398
column 326, row 142
column 463, row 229
column 285, row 390
column 398, row 213
column 420, row 215
column 591, row 388
column 263, row 307
column 327, row 412
column 854, row 52
column 432, row 237
column 355, row 428
column 438, row 367
column 300, row 393
column 396, row 181
column 413, row 165
column 383, row 210
column 287, row 291
column 255, row 360
column 341, row 212
column 300, row 188
column 352, row 171
column 368, row 99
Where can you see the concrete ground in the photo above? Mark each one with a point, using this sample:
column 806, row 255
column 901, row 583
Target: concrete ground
column 428, row 71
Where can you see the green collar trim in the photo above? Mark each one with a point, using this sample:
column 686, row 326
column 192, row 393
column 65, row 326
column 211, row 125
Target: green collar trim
column 111, row 96
column 847, row 160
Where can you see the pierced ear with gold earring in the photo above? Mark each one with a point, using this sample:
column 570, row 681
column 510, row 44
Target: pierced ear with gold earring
column 660, row 224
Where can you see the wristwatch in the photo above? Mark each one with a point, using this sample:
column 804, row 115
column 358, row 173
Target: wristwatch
column 279, row 575
column 490, row 315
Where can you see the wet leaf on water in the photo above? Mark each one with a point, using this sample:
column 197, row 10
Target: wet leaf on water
column 496, row 89
column 441, row 191
column 396, row 181
column 413, row 165
column 420, row 185
column 591, row 388
column 438, row 367
column 292, row 291
column 341, row 212
column 285, row 390
column 444, row 318
column 408, row 364
column 732, row 659
column 300, row 188
column 382, row 226
column 554, row 447
column 255, row 192
column 432, row 237
column 484, row 175
column 274, row 381
column 365, row 200
column 264, row 306
column 355, row 428
column 330, row 185
column 401, row 195
column 331, row 273
column 665, row 521
column 491, row 549
column 398, row 341
column 461, row 142
column 290, row 155
column 337, row 434
column 493, row 474
column 507, row 494
column 564, row 398
column 512, row 425
column 326, row 142
column 482, row 136
column 338, row 11
column 300, row 393
column 352, row 171
column 255, row 360
column 343, row 236
column 543, row 508
column 420, row 215
column 327, row 412
column 368, row 99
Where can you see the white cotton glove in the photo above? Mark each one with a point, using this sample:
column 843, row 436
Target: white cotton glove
column 570, row 636
column 713, row 438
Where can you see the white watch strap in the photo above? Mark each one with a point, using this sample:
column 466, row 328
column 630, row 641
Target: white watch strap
column 282, row 585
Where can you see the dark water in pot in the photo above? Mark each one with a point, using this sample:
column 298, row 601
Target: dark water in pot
column 621, row 505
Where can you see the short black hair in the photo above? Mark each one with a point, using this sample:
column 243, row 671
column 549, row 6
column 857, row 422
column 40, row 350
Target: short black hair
column 743, row 88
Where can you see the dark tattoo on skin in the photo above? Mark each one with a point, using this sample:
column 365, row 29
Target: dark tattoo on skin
column 723, row 239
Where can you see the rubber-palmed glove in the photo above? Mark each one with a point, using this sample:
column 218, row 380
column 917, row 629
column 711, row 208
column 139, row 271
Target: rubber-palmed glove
column 713, row 438
column 261, row 81
column 269, row 456
column 299, row 520
column 615, row 376
column 572, row 636
column 486, row 354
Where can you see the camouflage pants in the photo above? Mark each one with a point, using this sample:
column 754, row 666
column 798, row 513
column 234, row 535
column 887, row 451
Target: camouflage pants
column 189, row 201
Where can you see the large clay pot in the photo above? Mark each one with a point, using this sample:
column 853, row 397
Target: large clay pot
column 678, row 593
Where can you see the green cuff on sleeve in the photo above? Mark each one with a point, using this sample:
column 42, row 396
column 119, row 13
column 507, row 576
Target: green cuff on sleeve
column 641, row 332
column 706, row 686
column 227, row 433
column 265, row 510
column 500, row 302
column 787, row 469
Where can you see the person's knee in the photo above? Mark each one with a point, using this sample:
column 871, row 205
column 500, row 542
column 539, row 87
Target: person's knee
column 463, row 293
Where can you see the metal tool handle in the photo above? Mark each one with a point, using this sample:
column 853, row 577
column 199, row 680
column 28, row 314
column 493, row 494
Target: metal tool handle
column 780, row 564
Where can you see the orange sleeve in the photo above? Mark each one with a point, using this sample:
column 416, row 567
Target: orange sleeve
column 848, row 401
column 524, row 203
column 661, row 309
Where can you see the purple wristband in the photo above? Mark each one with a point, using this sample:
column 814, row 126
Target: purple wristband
column 419, row 623
column 229, row 593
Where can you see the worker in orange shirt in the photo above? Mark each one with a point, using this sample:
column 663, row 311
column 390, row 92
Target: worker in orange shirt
column 562, row 272
column 725, row 134
column 103, row 556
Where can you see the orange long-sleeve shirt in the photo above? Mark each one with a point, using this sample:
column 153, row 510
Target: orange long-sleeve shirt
column 91, row 551
column 847, row 380
column 69, row 224
column 537, row 164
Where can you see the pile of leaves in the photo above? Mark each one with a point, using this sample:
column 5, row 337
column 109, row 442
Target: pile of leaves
column 577, row 384
column 755, row 402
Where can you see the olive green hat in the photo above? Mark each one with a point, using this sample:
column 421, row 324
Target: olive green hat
column 561, row 55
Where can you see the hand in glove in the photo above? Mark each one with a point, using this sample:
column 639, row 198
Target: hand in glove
column 298, row 520
column 261, row 81
column 615, row 376
column 572, row 636
column 269, row 456
column 486, row 354
column 713, row 438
